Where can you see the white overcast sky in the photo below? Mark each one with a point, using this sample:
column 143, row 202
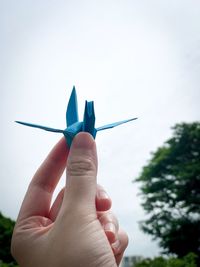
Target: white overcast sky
column 134, row 58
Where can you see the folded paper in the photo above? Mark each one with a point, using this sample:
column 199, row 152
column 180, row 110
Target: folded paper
column 75, row 126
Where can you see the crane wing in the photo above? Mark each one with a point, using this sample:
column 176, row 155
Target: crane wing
column 40, row 127
column 72, row 109
column 112, row 125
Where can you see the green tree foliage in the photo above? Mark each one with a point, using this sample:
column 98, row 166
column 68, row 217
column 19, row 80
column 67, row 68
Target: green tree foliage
column 6, row 229
column 170, row 187
column 187, row 261
column 3, row 264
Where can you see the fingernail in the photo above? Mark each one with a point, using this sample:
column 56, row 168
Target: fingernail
column 102, row 195
column 109, row 227
column 83, row 140
column 116, row 246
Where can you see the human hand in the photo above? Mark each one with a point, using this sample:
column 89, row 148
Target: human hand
column 78, row 229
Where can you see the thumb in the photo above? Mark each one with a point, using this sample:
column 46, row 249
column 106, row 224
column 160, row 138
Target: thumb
column 81, row 173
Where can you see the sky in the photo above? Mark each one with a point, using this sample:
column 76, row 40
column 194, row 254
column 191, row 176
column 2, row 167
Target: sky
column 134, row 58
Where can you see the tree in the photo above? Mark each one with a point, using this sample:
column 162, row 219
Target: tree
column 6, row 229
column 170, row 187
column 188, row 261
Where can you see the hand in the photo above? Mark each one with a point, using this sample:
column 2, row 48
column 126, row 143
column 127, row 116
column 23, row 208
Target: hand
column 78, row 229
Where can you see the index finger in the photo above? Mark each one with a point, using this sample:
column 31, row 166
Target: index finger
column 37, row 200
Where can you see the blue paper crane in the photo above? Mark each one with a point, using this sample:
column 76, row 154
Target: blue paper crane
column 75, row 126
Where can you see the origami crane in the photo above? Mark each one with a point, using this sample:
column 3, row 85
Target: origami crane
column 75, row 126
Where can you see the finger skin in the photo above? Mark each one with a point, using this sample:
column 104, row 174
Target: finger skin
column 120, row 245
column 110, row 225
column 103, row 202
column 77, row 228
column 55, row 208
column 38, row 197
column 112, row 231
column 76, row 236
column 81, row 174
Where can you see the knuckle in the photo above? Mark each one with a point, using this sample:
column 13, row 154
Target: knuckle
column 80, row 166
column 109, row 217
